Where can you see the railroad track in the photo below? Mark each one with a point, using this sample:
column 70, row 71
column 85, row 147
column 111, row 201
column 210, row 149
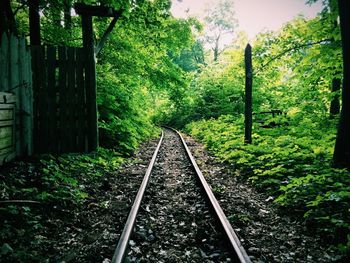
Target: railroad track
column 172, row 218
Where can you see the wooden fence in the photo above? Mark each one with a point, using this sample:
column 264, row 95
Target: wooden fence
column 7, row 127
column 46, row 100
column 60, row 99
column 16, row 92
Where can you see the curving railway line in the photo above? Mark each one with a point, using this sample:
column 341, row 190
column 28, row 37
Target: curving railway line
column 175, row 217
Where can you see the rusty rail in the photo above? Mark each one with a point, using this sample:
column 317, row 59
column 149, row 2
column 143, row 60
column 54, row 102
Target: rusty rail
column 122, row 246
column 230, row 233
column 120, row 251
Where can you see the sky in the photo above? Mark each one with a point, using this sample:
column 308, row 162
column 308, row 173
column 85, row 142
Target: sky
column 253, row 16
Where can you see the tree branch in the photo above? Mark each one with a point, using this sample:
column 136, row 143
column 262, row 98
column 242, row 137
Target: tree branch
column 284, row 52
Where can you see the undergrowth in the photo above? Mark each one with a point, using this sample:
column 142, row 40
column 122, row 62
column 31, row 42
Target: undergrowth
column 40, row 190
column 292, row 163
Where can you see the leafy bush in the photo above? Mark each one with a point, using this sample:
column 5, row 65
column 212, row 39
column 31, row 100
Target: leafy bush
column 291, row 163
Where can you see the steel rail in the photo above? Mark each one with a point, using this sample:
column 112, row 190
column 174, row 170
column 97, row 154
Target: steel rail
column 242, row 255
column 120, row 251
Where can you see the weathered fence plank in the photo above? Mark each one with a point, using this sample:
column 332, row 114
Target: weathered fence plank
column 4, row 64
column 41, row 136
column 35, row 78
column 27, row 102
column 20, row 90
column 6, row 113
column 52, row 98
column 15, row 92
column 71, row 101
column 61, row 109
column 7, row 128
column 81, row 102
column 15, row 85
column 62, row 56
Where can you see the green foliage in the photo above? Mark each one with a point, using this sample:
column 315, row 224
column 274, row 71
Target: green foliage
column 294, row 67
column 134, row 68
column 216, row 89
column 59, row 184
column 136, row 63
column 191, row 59
column 293, row 72
column 291, row 163
column 152, row 70
column 219, row 20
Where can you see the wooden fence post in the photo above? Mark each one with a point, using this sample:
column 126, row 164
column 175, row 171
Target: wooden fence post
column 248, row 120
column 88, row 43
column 34, row 23
column 15, row 87
column 87, row 12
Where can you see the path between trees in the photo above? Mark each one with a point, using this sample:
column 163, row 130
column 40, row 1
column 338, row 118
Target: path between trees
column 89, row 232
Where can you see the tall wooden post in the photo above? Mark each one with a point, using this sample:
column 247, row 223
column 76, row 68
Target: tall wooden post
column 87, row 12
column 89, row 46
column 341, row 157
column 34, row 23
column 248, row 119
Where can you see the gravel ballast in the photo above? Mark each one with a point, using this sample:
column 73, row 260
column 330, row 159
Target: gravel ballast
column 175, row 223
column 266, row 234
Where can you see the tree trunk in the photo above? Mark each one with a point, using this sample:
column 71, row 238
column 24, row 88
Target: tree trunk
column 7, row 18
column 34, row 22
column 336, row 81
column 216, row 50
column 216, row 47
column 335, row 103
column 341, row 157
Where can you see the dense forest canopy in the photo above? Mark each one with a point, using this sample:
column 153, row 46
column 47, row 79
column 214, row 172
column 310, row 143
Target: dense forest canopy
column 163, row 65
column 156, row 69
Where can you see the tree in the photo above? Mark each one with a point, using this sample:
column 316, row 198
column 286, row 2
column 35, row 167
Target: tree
column 297, row 65
column 191, row 59
column 136, row 68
column 7, row 19
column 335, row 103
column 133, row 68
column 336, row 82
column 219, row 21
column 341, row 157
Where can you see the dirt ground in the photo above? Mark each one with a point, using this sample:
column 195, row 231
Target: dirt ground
column 266, row 233
column 90, row 232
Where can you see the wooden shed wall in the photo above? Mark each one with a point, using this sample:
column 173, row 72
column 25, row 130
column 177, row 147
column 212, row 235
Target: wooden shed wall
column 16, row 79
